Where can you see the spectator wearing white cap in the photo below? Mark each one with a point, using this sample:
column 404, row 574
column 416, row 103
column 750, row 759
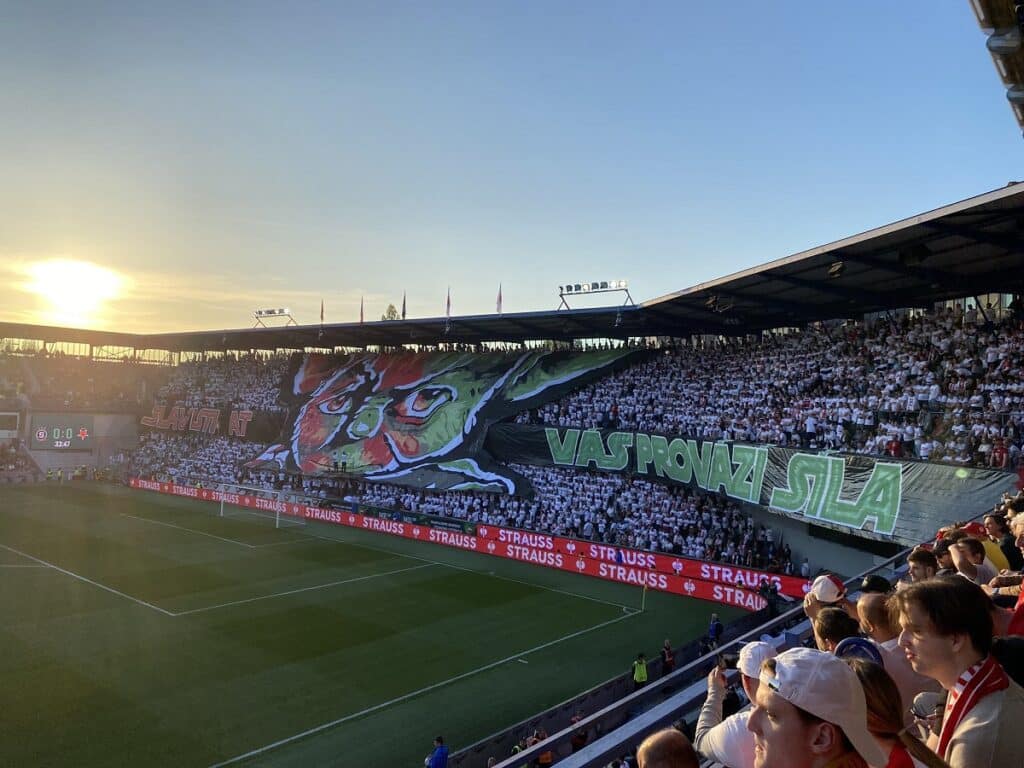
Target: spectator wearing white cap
column 827, row 591
column 810, row 712
column 729, row 741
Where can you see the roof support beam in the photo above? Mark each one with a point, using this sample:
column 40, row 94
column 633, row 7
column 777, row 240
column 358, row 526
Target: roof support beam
column 768, row 301
column 1012, row 243
column 849, row 294
column 919, row 272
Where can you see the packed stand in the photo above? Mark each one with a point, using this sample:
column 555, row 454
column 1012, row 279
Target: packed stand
column 12, row 383
column 937, row 387
column 251, row 382
column 195, row 457
column 66, row 382
column 609, row 508
column 16, row 465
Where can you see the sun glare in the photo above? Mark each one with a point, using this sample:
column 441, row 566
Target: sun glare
column 74, row 291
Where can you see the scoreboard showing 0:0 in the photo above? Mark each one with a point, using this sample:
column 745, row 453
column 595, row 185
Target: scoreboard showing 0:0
column 62, row 432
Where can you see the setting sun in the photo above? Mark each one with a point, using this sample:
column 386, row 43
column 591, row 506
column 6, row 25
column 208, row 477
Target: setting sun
column 74, row 291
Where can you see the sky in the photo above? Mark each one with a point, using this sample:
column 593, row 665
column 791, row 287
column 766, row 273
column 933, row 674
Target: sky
column 177, row 167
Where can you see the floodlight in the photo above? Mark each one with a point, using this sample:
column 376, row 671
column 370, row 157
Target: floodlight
column 836, row 269
column 604, row 285
column 586, row 287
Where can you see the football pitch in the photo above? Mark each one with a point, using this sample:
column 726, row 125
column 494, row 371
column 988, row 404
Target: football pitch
column 141, row 629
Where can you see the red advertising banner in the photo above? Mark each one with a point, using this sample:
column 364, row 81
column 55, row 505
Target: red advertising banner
column 705, row 581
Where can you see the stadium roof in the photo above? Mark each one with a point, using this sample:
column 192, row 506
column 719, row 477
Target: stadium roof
column 998, row 19
column 972, row 247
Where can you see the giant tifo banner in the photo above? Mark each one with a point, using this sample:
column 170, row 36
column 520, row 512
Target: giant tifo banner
column 420, row 419
column 730, row 585
column 900, row 500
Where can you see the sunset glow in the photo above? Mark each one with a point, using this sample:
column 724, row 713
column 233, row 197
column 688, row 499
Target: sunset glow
column 72, row 292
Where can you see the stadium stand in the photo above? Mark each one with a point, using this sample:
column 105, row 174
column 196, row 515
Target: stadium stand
column 248, row 381
column 71, row 383
column 945, row 386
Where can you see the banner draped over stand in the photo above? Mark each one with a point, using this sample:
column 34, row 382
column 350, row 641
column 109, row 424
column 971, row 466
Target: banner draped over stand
column 899, row 500
column 420, row 420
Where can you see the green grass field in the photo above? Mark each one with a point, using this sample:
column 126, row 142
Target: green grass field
column 140, row 629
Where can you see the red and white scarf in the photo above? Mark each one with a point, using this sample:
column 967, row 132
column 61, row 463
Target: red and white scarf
column 985, row 677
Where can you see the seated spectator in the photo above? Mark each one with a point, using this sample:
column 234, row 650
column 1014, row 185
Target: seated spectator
column 921, row 564
column 666, row 749
column 810, row 712
column 873, row 583
column 876, row 621
column 831, row 626
column 827, row 591
column 943, row 559
column 999, row 532
column 947, row 635
column 729, row 741
column 969, row 558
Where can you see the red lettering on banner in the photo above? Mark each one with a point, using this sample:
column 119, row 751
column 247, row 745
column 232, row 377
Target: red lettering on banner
column 206, row 420
column 238, row 423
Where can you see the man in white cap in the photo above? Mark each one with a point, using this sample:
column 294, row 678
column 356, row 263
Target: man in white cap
column 810, row 712
column 828, row 591
column 729, row 741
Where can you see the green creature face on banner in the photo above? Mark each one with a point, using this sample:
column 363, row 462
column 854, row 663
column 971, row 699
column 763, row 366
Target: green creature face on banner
column 420, row 419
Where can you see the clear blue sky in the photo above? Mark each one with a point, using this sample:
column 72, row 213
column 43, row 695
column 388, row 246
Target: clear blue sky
column 270, row 154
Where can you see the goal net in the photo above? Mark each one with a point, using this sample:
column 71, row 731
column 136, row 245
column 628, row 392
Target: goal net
column 279, row 508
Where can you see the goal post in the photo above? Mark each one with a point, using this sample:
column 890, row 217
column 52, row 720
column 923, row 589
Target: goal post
column 278, row 509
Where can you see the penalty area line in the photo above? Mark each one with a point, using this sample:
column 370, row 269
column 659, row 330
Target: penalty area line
column 414, row 694
column 74, row 575
column 302, row 589
column 190, row 530
column 477, row 571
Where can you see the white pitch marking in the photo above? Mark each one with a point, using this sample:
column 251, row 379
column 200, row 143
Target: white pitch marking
column 281, row 543
column 492, row 574
column 190, row 530
column 413, row 694
column 74, row 575
column 302, row 589
column 522, row 661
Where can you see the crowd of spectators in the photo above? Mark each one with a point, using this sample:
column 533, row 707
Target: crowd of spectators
column 16, row 465
column 251, row 382
column 12, row 383
column 191, row 456
column 609, row 508
column 937, row 662
column 67, row 382
column 940, row 387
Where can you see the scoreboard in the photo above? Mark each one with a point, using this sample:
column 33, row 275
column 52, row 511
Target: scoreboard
column 62, row 432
